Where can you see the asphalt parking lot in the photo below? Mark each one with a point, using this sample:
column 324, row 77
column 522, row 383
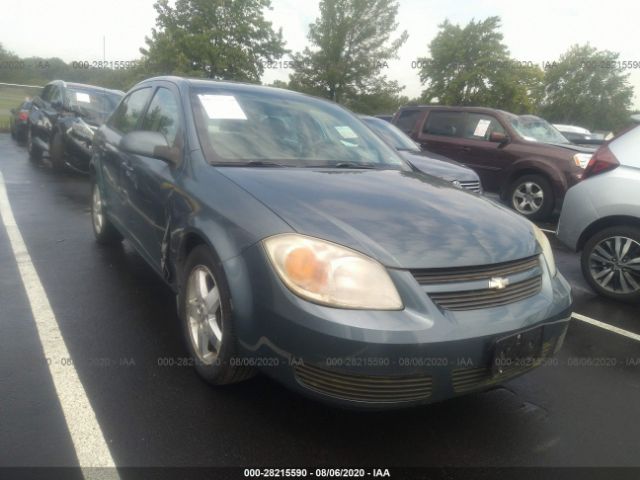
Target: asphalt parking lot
column 119, row 323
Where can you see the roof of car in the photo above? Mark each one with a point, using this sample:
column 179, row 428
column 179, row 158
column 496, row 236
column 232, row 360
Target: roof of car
column 204, row 82
column 460, row 107
column 85, row 86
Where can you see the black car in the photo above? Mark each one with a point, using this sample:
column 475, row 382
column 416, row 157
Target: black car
column 18, row 122
column 427, row 162
column 64, row 118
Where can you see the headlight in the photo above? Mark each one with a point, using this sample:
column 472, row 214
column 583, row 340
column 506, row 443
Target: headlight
column 582, row 159
column 547, row 252
column 330, row 274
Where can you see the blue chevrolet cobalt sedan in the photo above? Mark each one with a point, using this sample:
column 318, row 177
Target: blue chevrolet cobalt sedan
column 300, row 244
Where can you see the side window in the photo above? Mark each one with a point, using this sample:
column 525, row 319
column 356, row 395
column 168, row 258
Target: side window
column 126, row 116
column 446, row 124
column 46, row 93
column 56, row 94
column 163, row 115
column 479, row 126
column 407, row 120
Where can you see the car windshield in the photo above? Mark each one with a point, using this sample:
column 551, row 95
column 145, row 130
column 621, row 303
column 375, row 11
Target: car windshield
column 94, row 103
column 261, row 126
column 391, row 134
column 536, row 129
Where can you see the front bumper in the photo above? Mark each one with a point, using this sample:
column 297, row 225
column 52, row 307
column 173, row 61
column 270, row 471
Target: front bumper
column 377, row 359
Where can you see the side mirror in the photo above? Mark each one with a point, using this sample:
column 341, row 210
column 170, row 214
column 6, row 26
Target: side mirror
column 150, row 144
column 13, row 111
column 497, row 137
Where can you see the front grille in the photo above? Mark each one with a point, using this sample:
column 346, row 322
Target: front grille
column 469, row 274
column 473, row 185
column 487, row 297
column 468, row 379
column 361, row 388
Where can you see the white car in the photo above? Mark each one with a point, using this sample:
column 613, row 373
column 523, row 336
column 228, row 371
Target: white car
column 601, row 218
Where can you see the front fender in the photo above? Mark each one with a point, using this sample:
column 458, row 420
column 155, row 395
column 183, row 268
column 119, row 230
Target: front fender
column 539, row 165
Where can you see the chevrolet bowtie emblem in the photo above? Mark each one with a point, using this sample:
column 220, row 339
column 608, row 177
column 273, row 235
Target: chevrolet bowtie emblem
column 498, row 283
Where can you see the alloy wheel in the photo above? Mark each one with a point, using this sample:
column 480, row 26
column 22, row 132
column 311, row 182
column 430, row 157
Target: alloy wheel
column 204, row 314
column 96, row 210
column 528, row 198
column 614, row 264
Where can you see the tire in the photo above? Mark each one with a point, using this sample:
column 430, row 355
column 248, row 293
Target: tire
column 103, row 230
column 601, row 259
column 35, row 154
column 56, row 152
column 202, row 325
column 532, row 197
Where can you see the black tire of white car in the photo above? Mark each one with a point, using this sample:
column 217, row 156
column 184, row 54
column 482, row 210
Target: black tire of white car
column 56, row 152
column 35, row 154
column 227, row 366
column 539, row 184
column 103, row 230
column 626, row 232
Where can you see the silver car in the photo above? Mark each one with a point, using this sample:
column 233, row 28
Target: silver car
column 601, row 218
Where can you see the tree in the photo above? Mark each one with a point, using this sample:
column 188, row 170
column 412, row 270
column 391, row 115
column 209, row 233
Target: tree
column 587, row 87
column 351, row 45
column 471, row 66
column 221, row 39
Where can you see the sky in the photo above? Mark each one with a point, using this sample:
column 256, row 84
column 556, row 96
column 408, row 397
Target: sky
column 535, row 32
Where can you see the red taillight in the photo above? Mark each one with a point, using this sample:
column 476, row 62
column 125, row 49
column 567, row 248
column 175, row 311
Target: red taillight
column 23, row 115
column 602, row 161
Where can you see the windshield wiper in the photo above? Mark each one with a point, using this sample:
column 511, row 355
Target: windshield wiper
column 252, row 163
column 367, row 166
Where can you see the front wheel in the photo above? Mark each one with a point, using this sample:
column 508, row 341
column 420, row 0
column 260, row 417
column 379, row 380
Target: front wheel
column 56, row 152
column 103, row 230
column 532, row 196
column 35, row 154
column 204, row 305
column 611, row 263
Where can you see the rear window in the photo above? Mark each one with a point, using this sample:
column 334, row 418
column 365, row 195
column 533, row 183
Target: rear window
column 407, row 120
column 446, row 124
column 626, row 147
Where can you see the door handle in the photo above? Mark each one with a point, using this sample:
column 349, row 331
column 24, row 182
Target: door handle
column 465, row 149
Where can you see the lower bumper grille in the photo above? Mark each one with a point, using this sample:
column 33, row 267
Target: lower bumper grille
column 487, row 298
column 362, row 388
column 474, row 186
column 468, row 379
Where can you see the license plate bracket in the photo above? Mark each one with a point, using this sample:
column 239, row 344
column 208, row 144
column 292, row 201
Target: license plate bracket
column 517, row 351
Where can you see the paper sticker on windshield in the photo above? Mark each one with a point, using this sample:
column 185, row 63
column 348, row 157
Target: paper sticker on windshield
column 222, row 107
column 83, row 97
column 481, row 128
column 346, row 132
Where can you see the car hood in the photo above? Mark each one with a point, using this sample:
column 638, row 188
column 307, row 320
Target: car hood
column 402, row 219
column 439, row 166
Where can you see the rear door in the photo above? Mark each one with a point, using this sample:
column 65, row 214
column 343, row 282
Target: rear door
column 441, row 132
column 488, row 159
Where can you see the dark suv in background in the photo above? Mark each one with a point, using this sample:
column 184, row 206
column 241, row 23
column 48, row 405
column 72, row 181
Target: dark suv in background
column 64, row 118
column 522, row 157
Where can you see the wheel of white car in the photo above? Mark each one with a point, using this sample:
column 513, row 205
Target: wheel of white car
column 611, row 263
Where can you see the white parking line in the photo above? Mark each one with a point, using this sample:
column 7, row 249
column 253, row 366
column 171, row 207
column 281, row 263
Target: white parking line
column 86, row 434
column 606, row 326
